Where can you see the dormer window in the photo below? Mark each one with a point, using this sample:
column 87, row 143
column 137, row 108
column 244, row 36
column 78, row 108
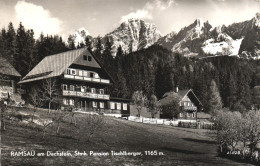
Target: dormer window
column 89, row 58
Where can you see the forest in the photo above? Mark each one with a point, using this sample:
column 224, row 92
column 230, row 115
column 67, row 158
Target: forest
column 230, row 81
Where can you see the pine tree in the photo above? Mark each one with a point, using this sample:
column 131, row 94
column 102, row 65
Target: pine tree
column 98, row 50
column 25, row 58
column 3, row 43
column 214, row 99
column 88, row 42
column 11, row 45
column 231, row 91
column 71, row 43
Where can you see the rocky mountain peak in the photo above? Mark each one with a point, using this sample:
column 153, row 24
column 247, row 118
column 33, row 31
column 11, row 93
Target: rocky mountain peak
column 256, row 20
column 134, row 34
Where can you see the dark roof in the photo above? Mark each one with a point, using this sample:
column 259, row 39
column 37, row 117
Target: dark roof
column 7, row 69
column 119, row 99
column 55, row 65
column 169, row 96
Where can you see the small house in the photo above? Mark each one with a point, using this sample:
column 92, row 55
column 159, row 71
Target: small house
column 188, row 103
column 9, row 77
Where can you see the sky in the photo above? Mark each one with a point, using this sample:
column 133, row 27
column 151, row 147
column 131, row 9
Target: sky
column 99, row 17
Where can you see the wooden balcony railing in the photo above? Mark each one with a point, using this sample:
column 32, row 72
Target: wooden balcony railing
column 86, row 95
column 100, row 80
column 192, row 108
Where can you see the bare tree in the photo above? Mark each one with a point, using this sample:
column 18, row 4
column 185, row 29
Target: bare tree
column 94, row 123
column 140, row 101
column 35, row 97
column 46, row 123
column 50, row 91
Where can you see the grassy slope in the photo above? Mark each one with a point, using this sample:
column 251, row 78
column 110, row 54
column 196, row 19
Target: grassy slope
column 180, row 146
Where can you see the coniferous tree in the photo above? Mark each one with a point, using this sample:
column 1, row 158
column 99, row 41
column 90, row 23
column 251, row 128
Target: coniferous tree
column 98, row 50
column 231, row 91
column 88, row 42
column 11, row 44
column 71, row 43
column 25, row 58
column 3, row 43
column 214, row 99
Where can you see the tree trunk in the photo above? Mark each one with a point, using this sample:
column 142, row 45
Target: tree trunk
column 3, row 125
column 49, row 107
column 43, row 134
column 58, row 128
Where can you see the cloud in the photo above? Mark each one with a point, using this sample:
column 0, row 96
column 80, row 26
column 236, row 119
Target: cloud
column 149, row 7
column 140, row 14
column 37, row 18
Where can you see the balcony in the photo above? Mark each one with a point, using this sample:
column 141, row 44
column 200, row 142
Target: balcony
column 191, row 108
column 99, row 80
column 86, row 95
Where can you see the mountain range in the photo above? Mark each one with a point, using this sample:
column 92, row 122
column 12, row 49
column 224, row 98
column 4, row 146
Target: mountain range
column 198, row 39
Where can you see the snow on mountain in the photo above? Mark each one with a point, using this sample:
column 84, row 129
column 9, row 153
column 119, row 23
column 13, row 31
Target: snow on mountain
column 189, row 39
column 230, row 47
column 133, row 35
column 200, row 38
column 80, row 35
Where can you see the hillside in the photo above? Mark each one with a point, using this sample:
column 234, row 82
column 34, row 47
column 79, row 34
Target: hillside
column 178, row 145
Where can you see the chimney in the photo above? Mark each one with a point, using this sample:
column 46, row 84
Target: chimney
column 177, row 89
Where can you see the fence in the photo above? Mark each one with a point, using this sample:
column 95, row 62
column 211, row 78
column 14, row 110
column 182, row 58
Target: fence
column 154, row 121
column 179, row 123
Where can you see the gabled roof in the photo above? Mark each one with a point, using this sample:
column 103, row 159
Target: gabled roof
column 55, row 65
column 7, row 69
column 168, row 97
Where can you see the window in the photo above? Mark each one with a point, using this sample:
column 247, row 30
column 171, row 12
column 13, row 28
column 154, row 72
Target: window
column 124, row 106
column 65, row 102
column 72, row 87
column 101, row 91
column 85, row 57
column 65, row 87
column 91, row 75
column 83, row 89
column 71, row 71
column 188, row 115
column 71, row 102
column 96, row 75
column 80, row 73
column 93, row 90
column 101, row 104
column 118, row 106
column 85, row 73
column 112, row 105
column 181, row 115
column 89, row 58
column 193, row 115
column 78, row 88
column 188, row 103
column 94, row 104
column 68, row 71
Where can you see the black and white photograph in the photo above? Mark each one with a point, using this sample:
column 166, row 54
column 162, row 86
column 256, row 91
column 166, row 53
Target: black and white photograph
column 129, row 82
